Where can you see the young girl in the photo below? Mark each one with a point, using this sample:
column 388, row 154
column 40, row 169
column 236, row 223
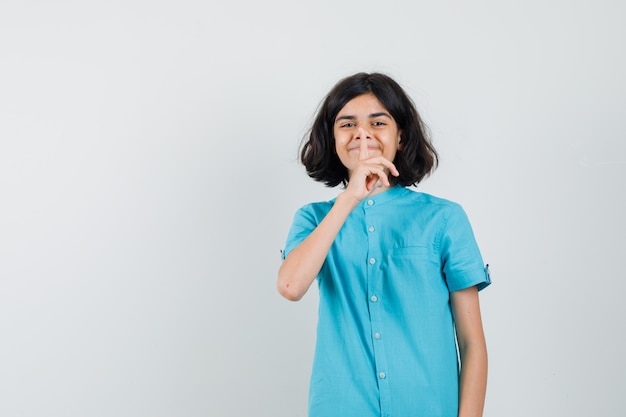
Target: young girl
column 398, row 271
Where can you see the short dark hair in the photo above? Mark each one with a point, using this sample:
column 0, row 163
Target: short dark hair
column 417, row 158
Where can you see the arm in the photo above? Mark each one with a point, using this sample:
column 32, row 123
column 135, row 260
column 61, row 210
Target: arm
column 301, row 266
column 473, row 352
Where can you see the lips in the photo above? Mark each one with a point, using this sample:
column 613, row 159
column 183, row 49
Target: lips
column 358, row 148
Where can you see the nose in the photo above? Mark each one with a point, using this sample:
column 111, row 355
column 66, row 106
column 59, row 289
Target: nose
column 363, row 134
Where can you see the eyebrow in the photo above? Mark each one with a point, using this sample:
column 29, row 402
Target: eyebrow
column 371, row 116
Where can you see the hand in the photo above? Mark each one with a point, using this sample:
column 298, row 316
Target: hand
column 369, row 173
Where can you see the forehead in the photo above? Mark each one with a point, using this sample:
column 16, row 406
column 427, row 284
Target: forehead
column 362, row 105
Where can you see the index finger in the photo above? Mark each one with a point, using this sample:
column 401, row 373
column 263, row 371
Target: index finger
column 364, row 153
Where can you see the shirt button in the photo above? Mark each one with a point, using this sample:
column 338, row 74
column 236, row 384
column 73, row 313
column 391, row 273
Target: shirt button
column 370, row 202
column 372, row 261
column 371, row 228
column 382, row 375
column 374, row 298
column 376, row 336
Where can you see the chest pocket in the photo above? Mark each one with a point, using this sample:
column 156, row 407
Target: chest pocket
column 416, row 266
column 414, row 259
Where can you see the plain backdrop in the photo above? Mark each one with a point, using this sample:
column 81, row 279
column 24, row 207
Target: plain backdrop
column 149, row 176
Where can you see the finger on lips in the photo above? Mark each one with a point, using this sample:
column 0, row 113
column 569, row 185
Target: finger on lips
column 363, row 151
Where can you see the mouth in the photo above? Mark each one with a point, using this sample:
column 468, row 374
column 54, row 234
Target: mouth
column 369, row 148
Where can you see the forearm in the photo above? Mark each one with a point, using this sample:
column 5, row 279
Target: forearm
column 473, row 380
column 302, row 265
column 472, row 351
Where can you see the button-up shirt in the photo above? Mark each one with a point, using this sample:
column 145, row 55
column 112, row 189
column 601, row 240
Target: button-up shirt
column 385, row 338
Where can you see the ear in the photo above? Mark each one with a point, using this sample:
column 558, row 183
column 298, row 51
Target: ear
column 400, row 142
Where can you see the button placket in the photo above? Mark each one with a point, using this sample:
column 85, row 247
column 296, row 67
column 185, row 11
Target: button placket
column 375, row 263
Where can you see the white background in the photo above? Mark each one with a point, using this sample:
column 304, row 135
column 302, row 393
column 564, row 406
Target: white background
column 148, row 178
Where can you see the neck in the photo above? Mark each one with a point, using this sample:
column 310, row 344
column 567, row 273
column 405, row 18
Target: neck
column 379, row 187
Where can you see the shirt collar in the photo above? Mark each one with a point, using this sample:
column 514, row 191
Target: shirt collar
column 387, row 195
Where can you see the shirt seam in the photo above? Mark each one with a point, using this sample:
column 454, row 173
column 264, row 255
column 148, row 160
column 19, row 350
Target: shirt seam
column 440, row 234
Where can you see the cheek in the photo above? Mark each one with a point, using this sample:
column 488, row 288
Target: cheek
column 339, row 144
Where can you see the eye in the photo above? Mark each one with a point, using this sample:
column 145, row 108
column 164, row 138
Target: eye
column 349, row 124
column 378, row 123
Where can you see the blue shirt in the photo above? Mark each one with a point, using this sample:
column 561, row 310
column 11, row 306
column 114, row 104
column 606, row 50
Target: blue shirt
column 385, row 338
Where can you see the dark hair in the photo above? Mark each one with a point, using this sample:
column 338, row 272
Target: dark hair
column 417, row 158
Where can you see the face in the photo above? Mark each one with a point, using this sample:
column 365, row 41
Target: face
column 364, row 129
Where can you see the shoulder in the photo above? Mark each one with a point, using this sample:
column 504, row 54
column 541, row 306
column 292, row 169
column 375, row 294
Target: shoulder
column 441, row 213
column 317, row 206
column 315, row 210
column 429, row 200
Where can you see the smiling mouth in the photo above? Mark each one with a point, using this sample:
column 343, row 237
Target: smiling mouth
column 368, row 148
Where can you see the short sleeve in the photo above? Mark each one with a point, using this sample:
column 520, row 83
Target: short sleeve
column 462, row 262
column 304, row 223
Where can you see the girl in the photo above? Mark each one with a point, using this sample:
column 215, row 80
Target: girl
column 398, row 271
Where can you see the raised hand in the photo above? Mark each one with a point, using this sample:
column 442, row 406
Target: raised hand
column 371, row 172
